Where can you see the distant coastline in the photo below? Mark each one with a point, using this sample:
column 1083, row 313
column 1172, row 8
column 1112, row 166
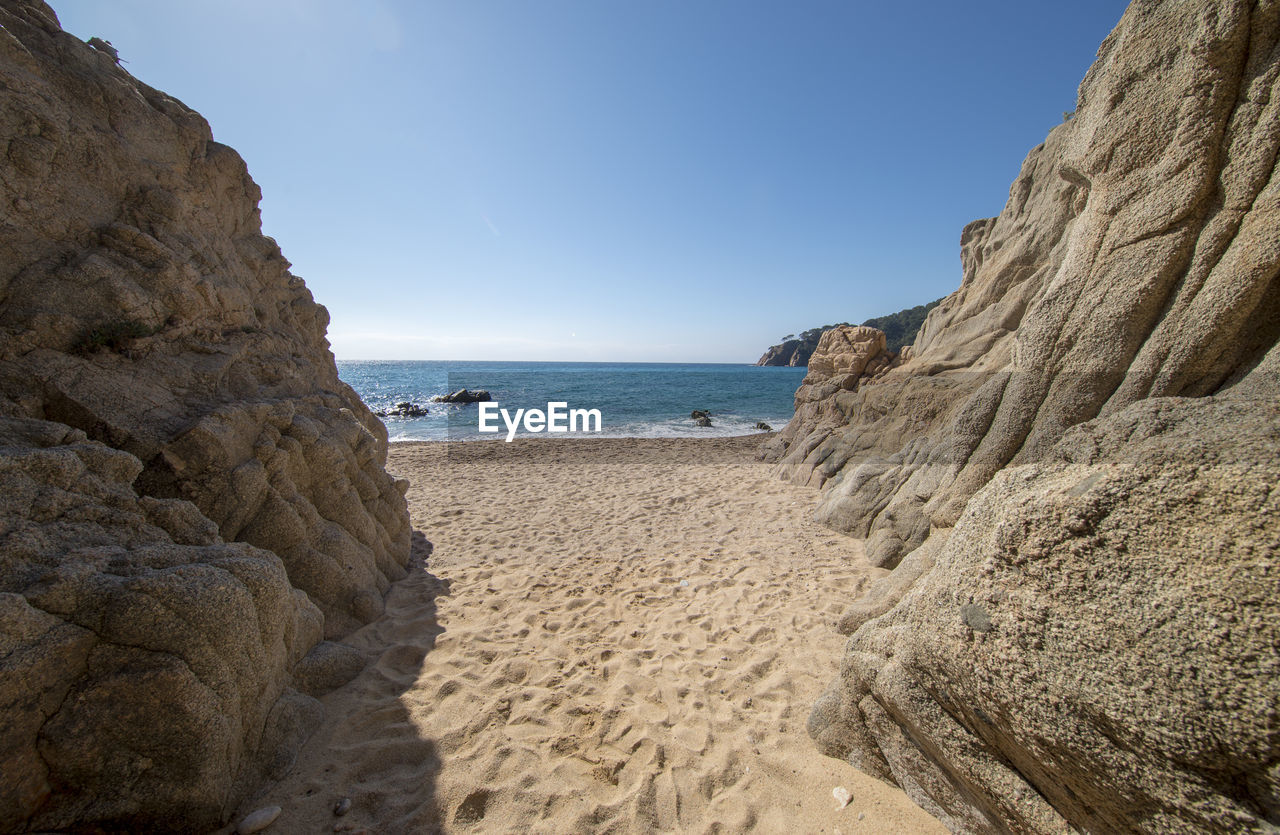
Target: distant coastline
column 899, row 328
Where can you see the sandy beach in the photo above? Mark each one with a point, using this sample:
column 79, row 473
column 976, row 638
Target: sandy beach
column 597, row 636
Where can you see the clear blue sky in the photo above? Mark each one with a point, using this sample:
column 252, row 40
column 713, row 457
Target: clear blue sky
column 643, row 180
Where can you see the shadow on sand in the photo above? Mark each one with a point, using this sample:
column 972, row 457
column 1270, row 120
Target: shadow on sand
column 369, row 747
column 395, row 772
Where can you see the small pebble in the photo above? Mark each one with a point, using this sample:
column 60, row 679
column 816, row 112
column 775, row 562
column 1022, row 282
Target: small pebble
column 342, row 806
column 842, row 796
column 258, row 821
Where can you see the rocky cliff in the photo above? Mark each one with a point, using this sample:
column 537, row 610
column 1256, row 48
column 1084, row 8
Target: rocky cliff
column 190, row 499
column 789, row 352
column 899, row 328
column 1073, row 473
column 795, row 351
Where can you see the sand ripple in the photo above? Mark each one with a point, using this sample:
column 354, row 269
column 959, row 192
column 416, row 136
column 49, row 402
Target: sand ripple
column 605, row 636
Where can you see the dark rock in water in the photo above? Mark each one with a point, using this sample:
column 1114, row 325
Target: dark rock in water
column 409, row 410
column 761, row 425
column 703, row 421
column 699, row 413
column 463, row 396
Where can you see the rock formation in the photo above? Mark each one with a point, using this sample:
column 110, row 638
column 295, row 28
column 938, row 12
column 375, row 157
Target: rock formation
column 463, row 396
column 405, row 410
column 1094, row 644
column 791, row 352
column 899, row 328
column 847, row 351
column 190, row 499
column 845, row 359
column 1073, row 473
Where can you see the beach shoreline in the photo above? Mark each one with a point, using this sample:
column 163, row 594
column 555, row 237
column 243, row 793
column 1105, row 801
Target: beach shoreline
column 758, row 435
column 621, row 399
column 620, row 635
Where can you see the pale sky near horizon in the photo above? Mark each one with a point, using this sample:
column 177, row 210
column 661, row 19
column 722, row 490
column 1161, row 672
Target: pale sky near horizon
column 613, row 181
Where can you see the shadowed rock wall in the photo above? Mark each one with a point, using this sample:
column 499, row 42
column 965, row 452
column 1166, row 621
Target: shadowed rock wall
column 1074, row 470
column 190, row 499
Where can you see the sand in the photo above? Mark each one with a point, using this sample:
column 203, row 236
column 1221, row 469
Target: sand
column 597, row 636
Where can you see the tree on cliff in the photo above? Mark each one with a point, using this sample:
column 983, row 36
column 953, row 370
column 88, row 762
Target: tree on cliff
column 899, row 329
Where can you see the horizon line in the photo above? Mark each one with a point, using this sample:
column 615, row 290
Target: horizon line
column 576, row 362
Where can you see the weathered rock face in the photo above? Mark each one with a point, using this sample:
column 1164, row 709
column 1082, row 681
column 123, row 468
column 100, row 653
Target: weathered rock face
column 1074, row 470
column 145, row 662
column 845, row 360
column 1094, row 643
column 1129, row 262
column 846, row 350
column 191, row 498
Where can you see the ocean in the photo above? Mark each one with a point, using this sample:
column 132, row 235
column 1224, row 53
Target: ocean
column 636, row 400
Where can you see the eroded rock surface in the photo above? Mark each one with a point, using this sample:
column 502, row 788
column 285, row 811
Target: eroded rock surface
column 145, row 660
column 1103, row 658
column 846, row 359
column 1094, row 643
column 191, row 499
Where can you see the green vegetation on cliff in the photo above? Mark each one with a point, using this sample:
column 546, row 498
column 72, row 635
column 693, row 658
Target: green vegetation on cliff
column 899, row 329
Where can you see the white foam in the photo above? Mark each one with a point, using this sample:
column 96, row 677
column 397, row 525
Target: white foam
column 723, row 426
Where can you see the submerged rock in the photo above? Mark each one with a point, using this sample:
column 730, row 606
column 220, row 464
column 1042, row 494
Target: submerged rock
column 408, row 410
column 463, row 396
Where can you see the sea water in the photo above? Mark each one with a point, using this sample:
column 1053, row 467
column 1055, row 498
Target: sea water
column 636, row 400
